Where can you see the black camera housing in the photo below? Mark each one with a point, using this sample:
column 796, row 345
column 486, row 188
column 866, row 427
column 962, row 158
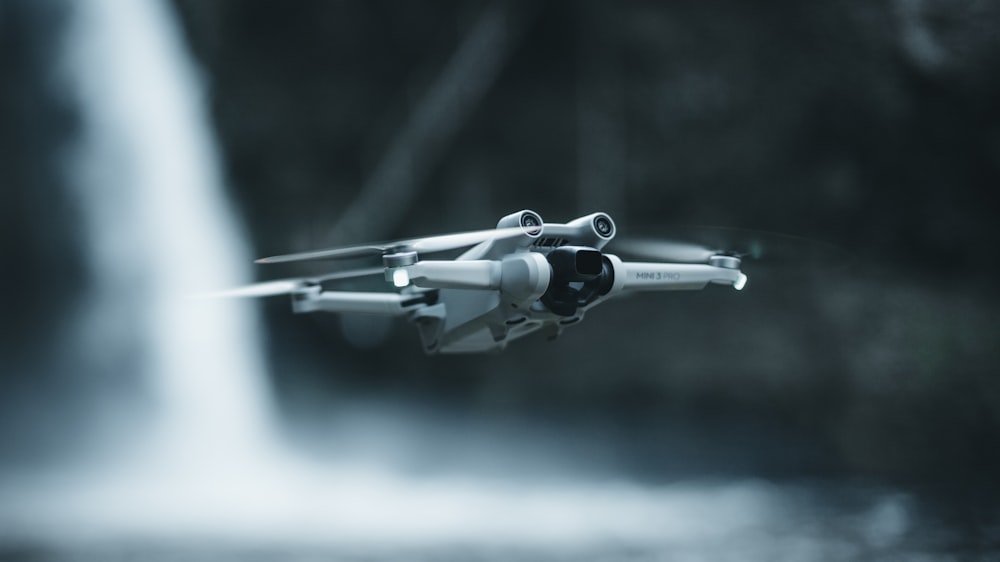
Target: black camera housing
column 580, row 275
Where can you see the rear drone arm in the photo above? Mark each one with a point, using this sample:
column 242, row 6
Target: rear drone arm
column 314, row 299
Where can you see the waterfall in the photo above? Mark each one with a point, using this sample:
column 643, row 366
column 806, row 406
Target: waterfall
column 145, row 171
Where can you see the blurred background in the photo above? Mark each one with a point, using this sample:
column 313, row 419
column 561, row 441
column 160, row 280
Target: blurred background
column 152, row 149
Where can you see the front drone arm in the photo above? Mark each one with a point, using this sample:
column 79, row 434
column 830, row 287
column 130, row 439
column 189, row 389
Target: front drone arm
column 462, row 274
column 522, row 276
column 629, row 276
column 643, row 276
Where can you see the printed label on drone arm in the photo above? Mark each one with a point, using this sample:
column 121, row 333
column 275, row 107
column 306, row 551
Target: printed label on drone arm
column 657, row 276
column 670, row 277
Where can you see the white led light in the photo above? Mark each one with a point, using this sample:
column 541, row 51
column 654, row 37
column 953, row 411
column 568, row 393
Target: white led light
column 740, row 282
column 400, row 278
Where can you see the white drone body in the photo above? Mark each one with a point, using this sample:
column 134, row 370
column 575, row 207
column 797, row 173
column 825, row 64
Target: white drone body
column 524, row 276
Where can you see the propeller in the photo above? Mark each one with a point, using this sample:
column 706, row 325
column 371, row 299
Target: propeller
column 698, row 244
column 285, row 286
column 428, row 244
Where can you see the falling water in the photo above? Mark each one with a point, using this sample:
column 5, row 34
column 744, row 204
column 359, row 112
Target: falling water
column 147, row 177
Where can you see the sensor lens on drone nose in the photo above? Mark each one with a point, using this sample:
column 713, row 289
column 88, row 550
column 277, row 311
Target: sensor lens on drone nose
column 531, row 222
column 603, row 226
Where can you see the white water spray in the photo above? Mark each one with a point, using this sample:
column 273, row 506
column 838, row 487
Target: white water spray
column 146, row 174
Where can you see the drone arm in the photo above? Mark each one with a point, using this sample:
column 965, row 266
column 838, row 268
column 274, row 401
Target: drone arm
column 461, row 274
column 643, row 276
column 382, row 304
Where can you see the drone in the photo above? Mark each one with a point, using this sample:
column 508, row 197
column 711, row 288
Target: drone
column 523, row 276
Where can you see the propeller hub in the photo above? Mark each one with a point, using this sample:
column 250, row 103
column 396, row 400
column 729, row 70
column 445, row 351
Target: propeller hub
column 722, row 260
column 399, row 259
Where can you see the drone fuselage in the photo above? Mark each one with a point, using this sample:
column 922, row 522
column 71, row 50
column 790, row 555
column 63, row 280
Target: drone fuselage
column 479, row 321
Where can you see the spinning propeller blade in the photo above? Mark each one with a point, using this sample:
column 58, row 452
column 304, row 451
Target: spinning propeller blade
column 264, row 289
column 665, row 250
column 285, row 286
column 348, row 274
column 697, row 244
column 428, row 244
